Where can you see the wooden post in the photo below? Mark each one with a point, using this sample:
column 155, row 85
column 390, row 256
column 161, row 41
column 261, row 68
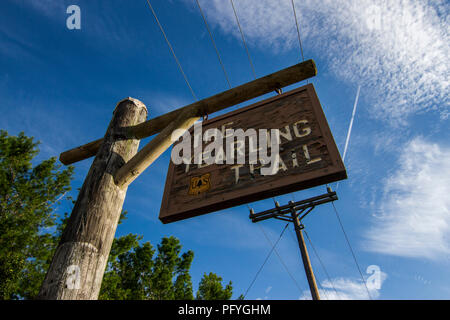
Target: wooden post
column 305, row 257
column 220, row 101
column 80, row 259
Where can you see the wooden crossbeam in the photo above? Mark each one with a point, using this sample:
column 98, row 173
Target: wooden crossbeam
column 145, row 157
column 220, row 101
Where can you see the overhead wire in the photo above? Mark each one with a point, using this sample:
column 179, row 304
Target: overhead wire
column 318, row 282
column 171, row 50
column 243, row 40
column 281, row 260
column 298, row 33
column 347, row 140
column 318, row 258
column 321, row 263
column 214, row 43
column 298, row 30
column 351, row 250
column 265, row 261
column 278, row 255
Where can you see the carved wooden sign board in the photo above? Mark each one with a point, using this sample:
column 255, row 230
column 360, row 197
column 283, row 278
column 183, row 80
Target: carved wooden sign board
column 307, row 152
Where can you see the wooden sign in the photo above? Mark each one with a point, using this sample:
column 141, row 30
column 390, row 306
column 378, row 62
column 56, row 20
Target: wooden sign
column 308, row 157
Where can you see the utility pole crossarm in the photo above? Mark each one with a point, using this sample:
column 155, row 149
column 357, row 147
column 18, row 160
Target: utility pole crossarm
column 239, row 94
column 299, row 207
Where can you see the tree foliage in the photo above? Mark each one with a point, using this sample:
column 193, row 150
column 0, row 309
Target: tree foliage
column 210, row 288
column 134, row 272
column 30, row 231
column 139, row 272
column 27, row 197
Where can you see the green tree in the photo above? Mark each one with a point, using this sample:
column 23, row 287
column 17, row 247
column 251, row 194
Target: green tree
column 134, row 273
column 27, row 197
column 210, row 288
column 167, row 264
column 183, row 283
column 128, row 271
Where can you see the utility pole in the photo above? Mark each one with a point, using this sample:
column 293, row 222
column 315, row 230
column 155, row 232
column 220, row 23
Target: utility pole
column 297, row 211
column 305, row 257
column 77, row 268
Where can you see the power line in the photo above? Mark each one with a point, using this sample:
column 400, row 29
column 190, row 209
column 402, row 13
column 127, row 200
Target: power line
column 298, row 31
column 281, row 260
column 243, row 39
column 321, row 263
column 267, row 258
column 214, row 43
column 351, row 250
column 171, row 49
column 278, row 255
column 318, row 282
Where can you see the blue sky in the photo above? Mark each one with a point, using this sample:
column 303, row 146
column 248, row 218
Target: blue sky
column 61, row 86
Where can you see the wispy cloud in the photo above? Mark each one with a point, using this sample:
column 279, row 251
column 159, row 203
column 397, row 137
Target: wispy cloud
column 414, row 217
column 397, row 50
column 345, row 289
column 48, row 7
column 268, row 289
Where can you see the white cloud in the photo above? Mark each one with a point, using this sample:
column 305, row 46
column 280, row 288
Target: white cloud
column 48, row 7
column 397, row 50
column 345, row 289
column 414, row 215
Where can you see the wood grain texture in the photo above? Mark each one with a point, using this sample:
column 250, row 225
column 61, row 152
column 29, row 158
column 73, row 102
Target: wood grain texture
column 144, row 158
column 87, row 238
column 242, row 93
column 280, row 112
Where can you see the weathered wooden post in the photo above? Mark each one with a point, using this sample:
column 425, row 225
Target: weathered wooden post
column 80, row 259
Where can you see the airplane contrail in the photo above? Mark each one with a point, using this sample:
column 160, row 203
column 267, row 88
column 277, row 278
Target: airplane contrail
column 350, row 128
column 351, row 124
